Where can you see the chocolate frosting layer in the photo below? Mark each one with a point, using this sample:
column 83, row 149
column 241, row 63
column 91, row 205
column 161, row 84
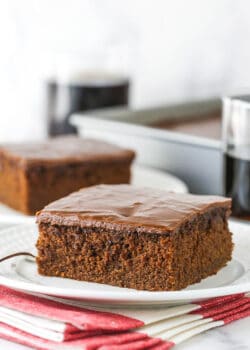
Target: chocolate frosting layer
column 66, row 149
column 125, row 207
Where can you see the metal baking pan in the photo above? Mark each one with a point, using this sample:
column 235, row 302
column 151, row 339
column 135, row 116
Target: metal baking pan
column 196, row 160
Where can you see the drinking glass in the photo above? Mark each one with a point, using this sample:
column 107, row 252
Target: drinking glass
column 236, row 153
column 80, row 83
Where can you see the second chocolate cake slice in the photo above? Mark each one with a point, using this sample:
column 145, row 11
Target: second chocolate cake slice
column 34, row 174
column 132, row 237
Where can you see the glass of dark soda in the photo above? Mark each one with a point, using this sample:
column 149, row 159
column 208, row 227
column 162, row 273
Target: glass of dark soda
column 84, row 92
column 236, row 153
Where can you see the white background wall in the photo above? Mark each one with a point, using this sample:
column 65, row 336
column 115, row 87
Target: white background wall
column 175, row 50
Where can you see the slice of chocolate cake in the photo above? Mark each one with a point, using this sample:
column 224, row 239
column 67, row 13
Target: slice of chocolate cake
column 134, row 237
column 37, row 173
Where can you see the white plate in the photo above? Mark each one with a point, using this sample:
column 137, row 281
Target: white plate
column 21, row 273
column 141, row 176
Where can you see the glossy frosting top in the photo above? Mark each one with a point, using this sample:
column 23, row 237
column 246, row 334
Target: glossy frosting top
column 126, row 207
column 61, row 149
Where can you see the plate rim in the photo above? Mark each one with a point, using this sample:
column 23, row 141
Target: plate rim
column 111, row 296
column 137, row 296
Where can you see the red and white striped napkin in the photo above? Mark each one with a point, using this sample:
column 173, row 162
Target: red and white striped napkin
column 51, row 323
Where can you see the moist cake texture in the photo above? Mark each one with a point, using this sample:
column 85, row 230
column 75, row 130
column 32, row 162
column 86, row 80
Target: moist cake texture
column 35, row 174
column 132, row 237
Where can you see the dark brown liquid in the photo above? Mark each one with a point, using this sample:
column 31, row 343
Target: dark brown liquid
column 63, row 100
column 237, row 183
